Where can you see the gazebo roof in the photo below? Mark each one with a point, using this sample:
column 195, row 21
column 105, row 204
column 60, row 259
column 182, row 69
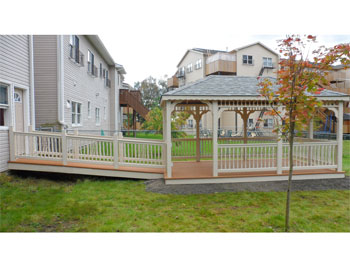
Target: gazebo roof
column 228, row 86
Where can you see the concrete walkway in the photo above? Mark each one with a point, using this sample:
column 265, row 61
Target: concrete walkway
column 158, row 186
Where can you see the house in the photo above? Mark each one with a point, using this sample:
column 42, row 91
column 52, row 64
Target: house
column 76, row 83
column 251, row 60
column 56, row 82
column 16, row 89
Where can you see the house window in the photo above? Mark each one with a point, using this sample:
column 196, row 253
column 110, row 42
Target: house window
column 189, row 68
column 97, row 116
column 181, row 71
column 91, row 63
column 268, row 123
column 198, row 64
column 107, row 81
column 3, row 103
column 190, row 123
column 89, row 109
column 267, row 62
column 104, row 113
column 74, row 48
column 248, row 59
column 76, row 113
column 250, row 122
column 101, row 71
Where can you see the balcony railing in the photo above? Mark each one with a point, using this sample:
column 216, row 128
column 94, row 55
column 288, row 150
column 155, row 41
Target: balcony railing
column 173, row 82
column 108, row 82
column 269, row 65
column 92, row 69
column 76, row 55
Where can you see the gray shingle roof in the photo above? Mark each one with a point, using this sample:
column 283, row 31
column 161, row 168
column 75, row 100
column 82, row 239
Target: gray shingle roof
column 222, row 85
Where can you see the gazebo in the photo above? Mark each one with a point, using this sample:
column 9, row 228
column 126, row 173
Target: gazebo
column 243, row 158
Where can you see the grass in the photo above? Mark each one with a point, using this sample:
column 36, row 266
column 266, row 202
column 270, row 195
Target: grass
column 65, row 204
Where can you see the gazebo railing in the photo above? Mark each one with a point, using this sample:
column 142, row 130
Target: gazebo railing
column 263, row 157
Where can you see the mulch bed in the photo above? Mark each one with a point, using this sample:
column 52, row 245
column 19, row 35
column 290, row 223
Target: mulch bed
column 158, row 186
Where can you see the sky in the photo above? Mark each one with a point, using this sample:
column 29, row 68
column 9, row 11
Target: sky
column 150, row 37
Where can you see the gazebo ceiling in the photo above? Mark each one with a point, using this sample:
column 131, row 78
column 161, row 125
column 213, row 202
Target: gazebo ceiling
column 222, row 87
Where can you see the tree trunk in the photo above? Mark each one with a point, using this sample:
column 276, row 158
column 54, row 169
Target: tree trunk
column 291, row 143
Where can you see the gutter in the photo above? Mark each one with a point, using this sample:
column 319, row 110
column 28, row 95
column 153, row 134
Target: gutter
column 31, row 79
column 60, row 79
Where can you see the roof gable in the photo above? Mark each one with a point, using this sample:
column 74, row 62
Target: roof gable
column 253, row 44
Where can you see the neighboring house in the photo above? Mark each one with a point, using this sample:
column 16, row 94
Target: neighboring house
column 251, row 60
column 16, row 89
column 76, row 82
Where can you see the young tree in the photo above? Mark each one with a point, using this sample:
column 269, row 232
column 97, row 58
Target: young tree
column 151, row 91
column 154, row 121
column 299, row 80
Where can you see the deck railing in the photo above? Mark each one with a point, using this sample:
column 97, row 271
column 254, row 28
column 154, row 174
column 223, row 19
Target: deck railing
column 263, row 157
column 84, row 148
column 183, row 148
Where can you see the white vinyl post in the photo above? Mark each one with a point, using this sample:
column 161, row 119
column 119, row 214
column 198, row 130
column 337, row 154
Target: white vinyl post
column 311, row 129
column 340, row 136
column 12, row 142
column 76, row 147
column 115, row 150
column 215, row 137
column 279, row 147
column 168, row 139
column 64, row 147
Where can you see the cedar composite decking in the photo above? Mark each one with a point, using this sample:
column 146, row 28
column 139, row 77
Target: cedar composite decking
column 183, row 171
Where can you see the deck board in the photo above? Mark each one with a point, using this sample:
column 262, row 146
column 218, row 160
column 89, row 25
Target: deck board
column 204, row 170
column 181, row 169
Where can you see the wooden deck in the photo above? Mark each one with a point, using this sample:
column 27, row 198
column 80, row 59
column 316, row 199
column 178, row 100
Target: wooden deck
column 86, row 169
column 184, row 172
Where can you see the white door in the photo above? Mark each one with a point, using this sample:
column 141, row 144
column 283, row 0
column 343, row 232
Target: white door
column 19, row 121
column 19, row 112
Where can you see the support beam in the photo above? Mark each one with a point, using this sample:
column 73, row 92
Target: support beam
column 215, row 137
column 168, row 109
column 197, row 118
column 340, row 135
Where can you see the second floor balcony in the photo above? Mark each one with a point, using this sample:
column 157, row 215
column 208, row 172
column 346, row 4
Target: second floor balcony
column 221, row 63
column 173, row 82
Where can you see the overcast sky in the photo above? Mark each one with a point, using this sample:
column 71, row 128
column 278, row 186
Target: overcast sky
column 149, row 37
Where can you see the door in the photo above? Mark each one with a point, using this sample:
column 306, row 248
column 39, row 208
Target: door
column 19, row 120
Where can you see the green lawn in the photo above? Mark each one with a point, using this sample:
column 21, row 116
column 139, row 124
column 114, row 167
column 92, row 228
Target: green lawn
column 65, row 204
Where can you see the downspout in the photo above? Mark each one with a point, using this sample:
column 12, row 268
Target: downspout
column 60, row 79
column 31, row 77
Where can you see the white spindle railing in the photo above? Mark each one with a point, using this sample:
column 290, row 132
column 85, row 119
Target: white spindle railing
column 143, row 153
column 311, row 155
column 91, row 149
column 247, row 157
column 37, row 145
column 263, row 157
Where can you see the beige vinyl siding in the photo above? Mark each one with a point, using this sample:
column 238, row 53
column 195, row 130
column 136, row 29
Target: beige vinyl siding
column 4, row 150
column 81, row 87
column 14, row 58
column 193, row 76
column 45, row 79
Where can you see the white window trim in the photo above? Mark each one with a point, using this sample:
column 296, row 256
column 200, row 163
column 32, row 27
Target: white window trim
column 105, row 113
column 81, row 114
column 247, row 59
